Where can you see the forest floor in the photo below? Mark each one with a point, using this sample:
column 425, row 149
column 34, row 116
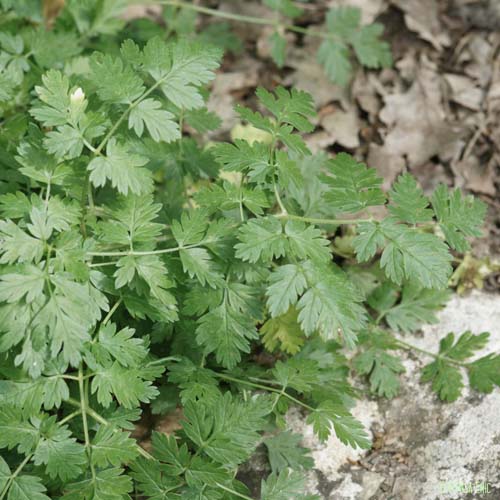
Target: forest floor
column 436, row 114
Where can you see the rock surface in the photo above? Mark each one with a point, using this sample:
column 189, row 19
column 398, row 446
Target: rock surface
column 424, row 449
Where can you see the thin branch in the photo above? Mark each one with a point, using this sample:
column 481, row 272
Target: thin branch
column 265, row 388
column 112, row 311
column 100, row 419
column 233, row 492
column 149, row 252
column 410, row 347
column 249, row 19
column 83, row 409
column 312, row 220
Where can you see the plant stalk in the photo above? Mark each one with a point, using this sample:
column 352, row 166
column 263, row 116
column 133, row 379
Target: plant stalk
column 249, row 19
column 410, row 347
column 83, row 409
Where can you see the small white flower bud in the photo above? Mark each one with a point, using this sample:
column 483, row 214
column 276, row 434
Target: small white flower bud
column 77, row 96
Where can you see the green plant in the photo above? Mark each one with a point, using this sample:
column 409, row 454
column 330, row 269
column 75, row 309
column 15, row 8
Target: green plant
column 136, row 277
column 343, row 37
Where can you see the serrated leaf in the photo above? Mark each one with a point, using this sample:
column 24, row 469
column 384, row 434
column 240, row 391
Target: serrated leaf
column 370, row 50
column 64, row 143
column 108, row 484
column 181, row 68
column 202, row 473
column 465, row 345
column 292, row 107
column 445, row 375
column 68, row 316
column 17, row 245
column 119, row 345
column 287, row 283
column 244, row 157
column 446, row 379
column 115, row 81
column 159, row 123
column 417, row 306
column 132, row 221
column 151, row 481
column 261, row 239
column 298, row 373
column 289, row 174
column 113, row 447
column 55, row 94
column 191, row 227
column 283, row 332
column 343, row 21
column 14, row 205
column 278, row 49
column 287, row 485
column 352, row 186
column 122, row 168
column 307, row 242
column 408, row 203
column 4, row 473
column 416, row 256
column 382, row 369
column 129, row 386
column 227, row 429
column 230, row 197
column 16, row 431
column 458, row 217
column 408, row 254
column 349, row 430
column 194, row 382
column 175, row 459
column 334, row 57
column 285, row 451
column 26, row 487
column 202, row 120
column 49, row 391
column 227, row 333
column 197, row 262
column 484, row 373
column 62, row 456
column 28, row 283
column 331, row 305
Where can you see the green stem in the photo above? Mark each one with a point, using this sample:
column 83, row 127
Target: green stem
column 235, row 493
column 163, row 360
column 248, row 19
column 83, row 204
column 265, row 388
column 149, row 252
column 14, row 475
column 112, row 311
column 103, row 264
column 312, row 220
column 101, row 420
column 83, row 409
column 284, row 213
column 410, row 347
column 69, row 417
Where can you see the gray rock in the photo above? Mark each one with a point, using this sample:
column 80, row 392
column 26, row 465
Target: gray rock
column 427, row 448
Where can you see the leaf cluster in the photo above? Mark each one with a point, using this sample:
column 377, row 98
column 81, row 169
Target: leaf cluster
column 142, row 269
